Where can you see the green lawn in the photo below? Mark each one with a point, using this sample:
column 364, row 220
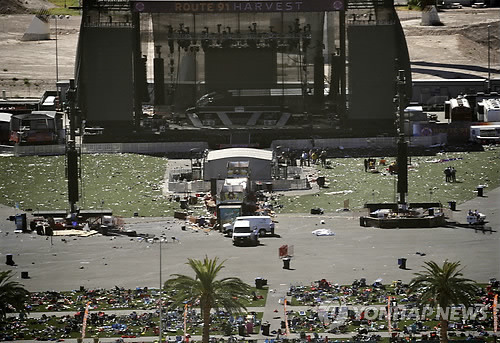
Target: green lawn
column 63, row 7
column 128, row 183
column 125, row 183
column 346, row 180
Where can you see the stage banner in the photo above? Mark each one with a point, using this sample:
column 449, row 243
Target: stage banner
column 159, row 6
column 389, row 315
column 495, row 314
column 85, row 316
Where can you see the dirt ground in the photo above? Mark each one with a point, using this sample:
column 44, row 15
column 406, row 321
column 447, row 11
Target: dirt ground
column 457, row 49
column 23, row 6
column 28, row 68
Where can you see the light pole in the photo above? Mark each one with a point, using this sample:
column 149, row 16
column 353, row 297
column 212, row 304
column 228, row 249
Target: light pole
column 402, row 159
column 161, row 287
column 57, row 56
column 489, row 70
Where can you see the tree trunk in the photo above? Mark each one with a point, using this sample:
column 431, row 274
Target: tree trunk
column 206, row 323
column 444, row 330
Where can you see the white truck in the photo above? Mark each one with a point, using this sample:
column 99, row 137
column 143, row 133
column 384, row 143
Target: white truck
column 264, row 225
column 243, row 233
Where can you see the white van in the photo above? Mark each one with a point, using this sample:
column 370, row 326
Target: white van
column 244, row 234
column 264, row 225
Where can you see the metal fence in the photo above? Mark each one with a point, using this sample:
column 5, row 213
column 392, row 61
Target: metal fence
column 6, row 149
column 179, row 149
column 167, row 148
column 178, row 174
column 198, row 186
column 358, row 143
column 290, row 185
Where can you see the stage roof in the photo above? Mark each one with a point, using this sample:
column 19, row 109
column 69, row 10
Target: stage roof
column 240, row 153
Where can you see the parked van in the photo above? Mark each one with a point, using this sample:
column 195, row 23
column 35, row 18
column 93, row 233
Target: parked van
column 264, row 225
column 244, row 234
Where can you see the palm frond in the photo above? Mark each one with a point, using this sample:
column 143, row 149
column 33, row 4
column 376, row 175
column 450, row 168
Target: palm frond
column 227, row 293
column 12, row 294
column 443, row 285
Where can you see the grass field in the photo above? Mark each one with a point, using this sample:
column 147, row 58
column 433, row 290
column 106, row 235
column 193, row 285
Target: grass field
column 63, row 7
column 346, row 180
column 128, row 183
column 125, row 183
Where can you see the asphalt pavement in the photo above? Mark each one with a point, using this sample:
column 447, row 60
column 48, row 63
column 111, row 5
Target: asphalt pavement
column 352, row 253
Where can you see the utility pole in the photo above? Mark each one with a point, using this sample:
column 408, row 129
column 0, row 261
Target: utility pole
column 402, row 160
column 57, row 54
column 161, row 287
column 73, row 171
column 489, row 66
column 343, row 63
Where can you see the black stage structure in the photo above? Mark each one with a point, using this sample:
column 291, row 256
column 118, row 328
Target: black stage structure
column 239, row 72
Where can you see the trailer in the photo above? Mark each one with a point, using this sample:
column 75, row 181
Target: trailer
column 485, row 134
column 458, row 109
column 37, row 127
column 490, row 110
column 227, row 213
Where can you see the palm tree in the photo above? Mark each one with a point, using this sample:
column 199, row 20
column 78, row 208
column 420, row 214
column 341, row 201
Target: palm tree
column 443, row 287
column 12, row 295
column 227, row 293
column 421, row 4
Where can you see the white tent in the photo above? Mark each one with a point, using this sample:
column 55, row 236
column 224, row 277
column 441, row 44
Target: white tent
column 430, row 17
column 258, row 161
column 38, row 29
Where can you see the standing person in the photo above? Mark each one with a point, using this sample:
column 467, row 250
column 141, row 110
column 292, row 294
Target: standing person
column 255, row 233
column 322, row 157
column 447, row 174
column 366, row 165
column 314, row 157
column 371, row 163
column 453, row 174
column 303, row 158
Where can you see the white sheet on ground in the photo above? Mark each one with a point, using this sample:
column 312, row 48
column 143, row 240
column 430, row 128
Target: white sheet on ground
column 323, row 232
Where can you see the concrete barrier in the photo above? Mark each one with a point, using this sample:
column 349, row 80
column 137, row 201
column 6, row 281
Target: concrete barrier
column 358, row 143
